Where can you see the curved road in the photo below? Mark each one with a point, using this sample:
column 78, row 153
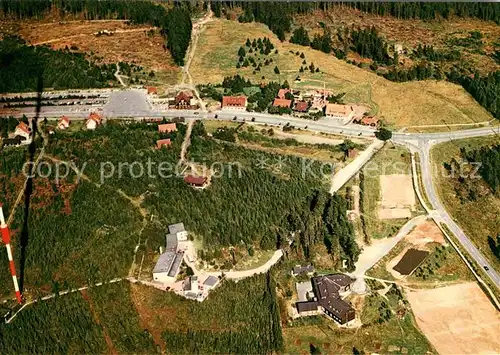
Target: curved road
column 135, row 107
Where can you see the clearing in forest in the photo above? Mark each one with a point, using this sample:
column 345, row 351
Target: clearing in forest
column 117, row 41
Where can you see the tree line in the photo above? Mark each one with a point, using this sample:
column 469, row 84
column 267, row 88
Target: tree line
column 175, row 23
column 431, row 10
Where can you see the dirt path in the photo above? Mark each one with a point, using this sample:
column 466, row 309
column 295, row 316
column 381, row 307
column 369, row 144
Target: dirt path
column 109, row 342
column 345, row 174
column 197, row 27
column 118, row 76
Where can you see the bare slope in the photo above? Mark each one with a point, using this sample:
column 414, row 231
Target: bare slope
column 399, row 104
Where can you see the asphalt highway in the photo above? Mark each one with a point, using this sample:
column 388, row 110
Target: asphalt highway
column 131, row 104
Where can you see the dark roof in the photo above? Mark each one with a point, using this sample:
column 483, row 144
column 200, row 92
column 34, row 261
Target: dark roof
column 303, row 269
column 174, row 269
column 211, row 281
column 171, row 242
column 306, row 306
column 183, row 96
column 176, row 228
column 326, row 289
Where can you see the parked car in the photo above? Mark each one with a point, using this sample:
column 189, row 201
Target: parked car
column 486, row 268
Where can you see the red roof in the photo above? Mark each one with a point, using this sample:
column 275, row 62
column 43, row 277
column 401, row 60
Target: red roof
column 282, row 93
column 234, row 101
column 183, row 96
column 151, row 90
column 94, row 116
column 301, row 106
column 163, row 143
column 24, row 127
column 167, row 127
column 282, row 103
column 195, row 180
column 65, row 119
column 369, row 120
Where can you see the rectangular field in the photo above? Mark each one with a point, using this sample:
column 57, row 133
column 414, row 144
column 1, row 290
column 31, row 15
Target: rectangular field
column 457, row 319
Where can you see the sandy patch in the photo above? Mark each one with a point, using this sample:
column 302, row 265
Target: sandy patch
column 426, row 232
column 394, row 213
column 457, row 319
column 397, row 191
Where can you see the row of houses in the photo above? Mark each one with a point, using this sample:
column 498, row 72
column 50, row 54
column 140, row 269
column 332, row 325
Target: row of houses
column 301, row 103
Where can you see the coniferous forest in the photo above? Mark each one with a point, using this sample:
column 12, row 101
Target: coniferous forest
column 22, row 66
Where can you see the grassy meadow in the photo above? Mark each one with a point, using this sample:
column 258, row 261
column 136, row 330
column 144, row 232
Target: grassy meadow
column 398, row 104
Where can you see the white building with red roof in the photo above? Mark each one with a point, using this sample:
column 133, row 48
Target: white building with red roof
column 234, row 103
column 93, row 121
column 63, row 123
column 23, row 130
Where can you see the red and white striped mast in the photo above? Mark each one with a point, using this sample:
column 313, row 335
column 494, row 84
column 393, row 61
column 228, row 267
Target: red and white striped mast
column 6, row 239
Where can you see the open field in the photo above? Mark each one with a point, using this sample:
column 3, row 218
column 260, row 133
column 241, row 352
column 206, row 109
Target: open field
column 457, row 319
column 141, row 45
column 478, row 219
column 398, row 104
column 390, row 160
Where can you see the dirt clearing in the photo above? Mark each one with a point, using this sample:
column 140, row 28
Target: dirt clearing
column 424, row 233
column 398, row 197
column 457, row 319
column 118, row 41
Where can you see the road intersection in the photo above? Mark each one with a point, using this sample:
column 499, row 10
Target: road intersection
column 132, row 104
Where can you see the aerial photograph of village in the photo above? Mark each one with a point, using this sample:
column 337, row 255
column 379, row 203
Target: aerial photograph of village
column 249, row 177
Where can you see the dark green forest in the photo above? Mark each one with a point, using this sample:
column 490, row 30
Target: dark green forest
column 488, row 11
column 237, row 318
column 489, row 157
column 22, row 65
column 175, row 23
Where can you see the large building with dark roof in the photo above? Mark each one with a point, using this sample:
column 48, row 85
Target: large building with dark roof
column 327, row 290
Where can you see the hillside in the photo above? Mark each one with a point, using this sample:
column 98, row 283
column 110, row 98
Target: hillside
column 398, row 104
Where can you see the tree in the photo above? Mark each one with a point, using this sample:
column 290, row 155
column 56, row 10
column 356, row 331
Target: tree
column 300, row 36
column 248, row 43
column 383, row 134
column 241, row 52
column 276, row 70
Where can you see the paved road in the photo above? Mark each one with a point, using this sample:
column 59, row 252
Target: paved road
column 345, row 174
column 136, row 106
column 439, row 214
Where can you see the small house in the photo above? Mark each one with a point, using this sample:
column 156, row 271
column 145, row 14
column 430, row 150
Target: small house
column 369, row 121
column 282, row 93
column 93, row 121
column 196, row 181
column 152, row 90
column 167, row 127
column 301, row 106
column 163, row 143
column 341, row 112
column 63, row 122
column 183, row 100
column 210, row 283
column 234, row 103
column 23, row 130
column 282, row 103
column 303, row 270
